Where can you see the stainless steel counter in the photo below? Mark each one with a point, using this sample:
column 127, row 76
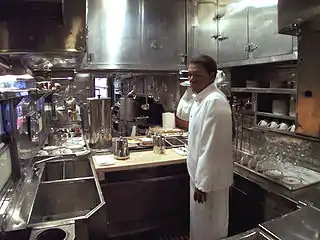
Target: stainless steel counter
column 300, row 224
column 305, row 196
column 252, row 234
column 50, row 194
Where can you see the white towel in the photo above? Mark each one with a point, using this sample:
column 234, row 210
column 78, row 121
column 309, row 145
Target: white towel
column 182, row 151
column 104, row 159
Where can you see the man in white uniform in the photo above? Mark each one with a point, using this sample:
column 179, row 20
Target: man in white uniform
column 209, row 160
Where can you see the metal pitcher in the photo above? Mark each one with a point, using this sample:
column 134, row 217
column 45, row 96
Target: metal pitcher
column 99, row 121
column 159, row 145
column 121, row 148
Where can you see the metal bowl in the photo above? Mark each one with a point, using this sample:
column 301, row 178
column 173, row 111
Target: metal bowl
column 291, row 180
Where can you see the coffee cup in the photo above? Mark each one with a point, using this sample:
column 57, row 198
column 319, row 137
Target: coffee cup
column 283, row 126
column 263, row 123
column 273, row 124
column 292, row 128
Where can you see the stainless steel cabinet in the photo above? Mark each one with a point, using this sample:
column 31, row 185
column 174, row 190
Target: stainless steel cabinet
column 114, row 33
column 263, row 33
column 204, row 29
column 164, row 33
column 232, row 31
column 136, row 34
column 245, row 32
column 147, row 198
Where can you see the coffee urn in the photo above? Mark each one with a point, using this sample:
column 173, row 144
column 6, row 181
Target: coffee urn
column 99, row 121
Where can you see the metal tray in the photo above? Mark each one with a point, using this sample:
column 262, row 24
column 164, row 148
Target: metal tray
column 278, row 181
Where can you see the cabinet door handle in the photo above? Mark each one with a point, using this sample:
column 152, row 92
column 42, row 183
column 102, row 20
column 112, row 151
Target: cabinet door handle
column 254, row 47
column 90, row 57
column 217, row 17
column 219, row 37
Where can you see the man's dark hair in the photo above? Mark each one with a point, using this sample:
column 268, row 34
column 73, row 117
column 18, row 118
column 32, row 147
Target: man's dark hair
column 207, row 62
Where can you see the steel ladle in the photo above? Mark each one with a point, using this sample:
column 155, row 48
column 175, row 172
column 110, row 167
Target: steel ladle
column 145, row 106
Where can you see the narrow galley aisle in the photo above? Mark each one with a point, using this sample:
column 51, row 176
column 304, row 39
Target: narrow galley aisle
column 157, row 235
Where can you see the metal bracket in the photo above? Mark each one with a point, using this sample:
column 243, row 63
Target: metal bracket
column 247, row 48
column 251, row 47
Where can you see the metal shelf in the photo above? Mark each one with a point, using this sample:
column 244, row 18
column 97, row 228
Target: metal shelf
column 285, row 133
column 273, row 130
column 265, row 90
column 286, row 117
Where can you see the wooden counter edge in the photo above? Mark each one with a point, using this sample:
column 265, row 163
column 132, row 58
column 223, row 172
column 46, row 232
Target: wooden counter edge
column 116, row 167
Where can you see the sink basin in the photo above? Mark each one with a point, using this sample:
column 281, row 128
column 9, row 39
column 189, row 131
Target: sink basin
column 258, row 236
column 254, row 234
column 52, row 234
column 64, row 200
column 66, row 169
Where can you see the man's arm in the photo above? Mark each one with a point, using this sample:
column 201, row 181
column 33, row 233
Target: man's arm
column 184, row 106
column 216, row 134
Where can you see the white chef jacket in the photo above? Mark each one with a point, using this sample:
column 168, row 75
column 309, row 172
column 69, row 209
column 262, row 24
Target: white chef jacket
column 209, row 160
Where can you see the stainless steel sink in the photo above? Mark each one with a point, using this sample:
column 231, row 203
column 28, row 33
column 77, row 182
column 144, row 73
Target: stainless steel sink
column 52, row 234
column 67, row 199
column 258, row 236
column 254, row 234
column 67, row 169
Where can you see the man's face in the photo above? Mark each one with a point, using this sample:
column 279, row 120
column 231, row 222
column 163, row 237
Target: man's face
column 198, row 77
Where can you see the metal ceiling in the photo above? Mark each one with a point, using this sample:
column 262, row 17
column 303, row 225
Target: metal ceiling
column 296, row 17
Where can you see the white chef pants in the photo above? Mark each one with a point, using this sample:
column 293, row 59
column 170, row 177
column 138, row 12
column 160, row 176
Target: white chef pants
column 209, row 220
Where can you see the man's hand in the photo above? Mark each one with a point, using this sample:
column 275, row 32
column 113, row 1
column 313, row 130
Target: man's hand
column 199, row 196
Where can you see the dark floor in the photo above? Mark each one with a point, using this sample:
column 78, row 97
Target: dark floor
column 156, row 235
column 152, row 237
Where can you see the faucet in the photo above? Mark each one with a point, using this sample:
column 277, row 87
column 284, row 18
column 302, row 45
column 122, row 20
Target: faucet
column 46, row 160
column 36, row 170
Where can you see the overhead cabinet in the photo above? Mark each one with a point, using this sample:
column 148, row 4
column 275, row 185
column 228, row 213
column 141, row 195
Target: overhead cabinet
column 205, row 29
column 114, row 33
column 232, row 33
column 263, row 33
column 164, row 34
column 136, row 34
column 243, row 33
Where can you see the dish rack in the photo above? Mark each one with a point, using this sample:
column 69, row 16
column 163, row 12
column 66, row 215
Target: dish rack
column 291, row 176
